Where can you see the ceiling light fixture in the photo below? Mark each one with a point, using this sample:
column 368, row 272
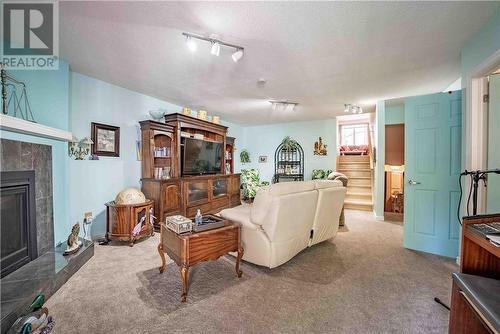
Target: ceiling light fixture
column 352, row 108
column 283, row 105
column 191, row 44
column 215, row 50
column 216, row 45
column 237, row 55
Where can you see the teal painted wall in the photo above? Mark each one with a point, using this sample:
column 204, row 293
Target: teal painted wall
column 394, row 114
column 48, row 93
column 264, row 139
column 93, row 183
column 380, row 160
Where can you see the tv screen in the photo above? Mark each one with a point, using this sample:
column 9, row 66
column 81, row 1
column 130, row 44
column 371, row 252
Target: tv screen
column 201, row 157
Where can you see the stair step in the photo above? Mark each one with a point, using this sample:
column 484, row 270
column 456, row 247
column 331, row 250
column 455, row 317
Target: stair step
column 359, row 182
column 354, row 172
column 353, row 166
column 358, row 205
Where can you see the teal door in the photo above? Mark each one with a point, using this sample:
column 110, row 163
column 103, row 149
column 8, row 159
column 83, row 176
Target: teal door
column 433, row 139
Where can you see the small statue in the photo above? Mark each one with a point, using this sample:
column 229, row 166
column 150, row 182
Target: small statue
column 73, row 243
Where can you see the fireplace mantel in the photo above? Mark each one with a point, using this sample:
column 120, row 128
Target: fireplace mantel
column 15, row 124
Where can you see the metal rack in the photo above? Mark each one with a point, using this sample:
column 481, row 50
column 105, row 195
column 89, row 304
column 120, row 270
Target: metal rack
column 20, row 103
column 288, row 164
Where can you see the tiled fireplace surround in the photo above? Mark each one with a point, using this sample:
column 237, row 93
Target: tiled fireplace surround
column 50, row 270
column 22, row 156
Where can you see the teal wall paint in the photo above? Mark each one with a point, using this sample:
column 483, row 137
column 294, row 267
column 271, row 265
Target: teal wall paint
column 394, row 114
column 93, row 183
column 380, row 160
column 264, row 139
column 493, row 190
column 48, row 93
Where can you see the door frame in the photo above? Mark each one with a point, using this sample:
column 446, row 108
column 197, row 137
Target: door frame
column 475, row 119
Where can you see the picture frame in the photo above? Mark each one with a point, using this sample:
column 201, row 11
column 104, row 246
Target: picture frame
column 106, row 140
column 263, row 159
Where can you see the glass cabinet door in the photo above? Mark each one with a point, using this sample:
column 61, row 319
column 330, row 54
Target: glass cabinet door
column 197, row 191
column 219, row 187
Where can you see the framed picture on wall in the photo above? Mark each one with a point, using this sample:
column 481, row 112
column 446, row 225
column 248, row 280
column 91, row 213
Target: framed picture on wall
column 106, row 140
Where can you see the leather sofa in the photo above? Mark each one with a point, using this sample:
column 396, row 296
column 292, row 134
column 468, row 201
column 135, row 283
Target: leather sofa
column 286, row 218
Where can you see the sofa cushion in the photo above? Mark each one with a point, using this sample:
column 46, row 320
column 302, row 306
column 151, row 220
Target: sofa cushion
column 261, row 205
column 285, row 188
column 324, row 184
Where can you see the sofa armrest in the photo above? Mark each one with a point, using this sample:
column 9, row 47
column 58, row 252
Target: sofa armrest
column 240, row 214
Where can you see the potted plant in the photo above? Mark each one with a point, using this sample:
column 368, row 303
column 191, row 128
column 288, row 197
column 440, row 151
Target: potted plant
column 289, row 144
column 245, row 157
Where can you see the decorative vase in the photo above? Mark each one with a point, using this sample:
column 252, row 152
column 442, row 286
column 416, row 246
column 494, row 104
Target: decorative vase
column 202, row 114
column 216, row 119
column 186, row 111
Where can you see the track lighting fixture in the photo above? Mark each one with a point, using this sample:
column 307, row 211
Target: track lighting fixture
column 215, row 50
column 215, row 46
column 283, row 105
column 191, row 44
column 352, row 108
column 237, row 55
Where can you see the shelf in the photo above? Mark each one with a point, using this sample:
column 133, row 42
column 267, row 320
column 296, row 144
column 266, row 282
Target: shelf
column 162, row 157
column 18, row 125
column 290, row 175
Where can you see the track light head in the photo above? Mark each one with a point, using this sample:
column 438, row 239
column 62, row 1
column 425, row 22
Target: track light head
column 215, row 50
column 237, row 55
column 191, row 44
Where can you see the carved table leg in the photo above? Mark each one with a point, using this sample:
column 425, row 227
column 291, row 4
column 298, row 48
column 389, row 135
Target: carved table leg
column 184, row 275
column 162, row 255
column 238, row 260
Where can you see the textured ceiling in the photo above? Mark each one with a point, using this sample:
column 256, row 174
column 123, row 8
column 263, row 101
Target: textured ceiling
column 319, row 54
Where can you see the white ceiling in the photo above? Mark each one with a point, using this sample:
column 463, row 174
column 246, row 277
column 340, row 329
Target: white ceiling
column 320, row 54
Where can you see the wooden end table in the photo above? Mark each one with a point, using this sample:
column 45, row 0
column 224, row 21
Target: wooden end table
column 188, row 249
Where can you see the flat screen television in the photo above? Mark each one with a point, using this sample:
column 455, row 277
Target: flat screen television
column 201, row 157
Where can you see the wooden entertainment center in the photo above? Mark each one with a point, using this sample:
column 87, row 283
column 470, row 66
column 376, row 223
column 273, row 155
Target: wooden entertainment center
column 162, row 146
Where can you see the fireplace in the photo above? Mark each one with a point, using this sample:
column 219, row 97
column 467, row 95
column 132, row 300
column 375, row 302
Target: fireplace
column 18, row 220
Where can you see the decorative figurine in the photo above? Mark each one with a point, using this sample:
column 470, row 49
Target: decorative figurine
column 320, row 148
column 73, row 243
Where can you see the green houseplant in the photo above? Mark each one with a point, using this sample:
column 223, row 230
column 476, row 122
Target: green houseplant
column 289, row 144
column 245, row 157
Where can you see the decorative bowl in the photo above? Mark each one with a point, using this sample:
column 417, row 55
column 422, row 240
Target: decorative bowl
column 158, row 114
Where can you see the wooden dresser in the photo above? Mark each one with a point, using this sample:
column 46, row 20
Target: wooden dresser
column 475, row 301
column 162, row 179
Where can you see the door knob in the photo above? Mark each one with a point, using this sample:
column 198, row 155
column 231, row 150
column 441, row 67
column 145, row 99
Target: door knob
column 413, row 182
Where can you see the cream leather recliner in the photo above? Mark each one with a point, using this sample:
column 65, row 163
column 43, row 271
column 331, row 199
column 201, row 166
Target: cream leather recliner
column 286, row 218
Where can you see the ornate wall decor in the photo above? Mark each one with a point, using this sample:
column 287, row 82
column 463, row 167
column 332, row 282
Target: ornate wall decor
column 320, row 148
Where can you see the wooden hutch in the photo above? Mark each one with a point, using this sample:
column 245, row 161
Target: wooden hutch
column 162, row 179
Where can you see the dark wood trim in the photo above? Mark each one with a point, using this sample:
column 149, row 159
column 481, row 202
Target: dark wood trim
column 94, row 128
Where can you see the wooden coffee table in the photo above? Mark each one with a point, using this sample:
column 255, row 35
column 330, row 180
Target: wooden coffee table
column 190, row 248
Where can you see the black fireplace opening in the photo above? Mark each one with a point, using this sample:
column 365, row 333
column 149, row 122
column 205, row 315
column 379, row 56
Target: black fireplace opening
column 17, row 220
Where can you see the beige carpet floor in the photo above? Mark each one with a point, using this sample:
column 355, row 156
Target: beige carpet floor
column 362, row 281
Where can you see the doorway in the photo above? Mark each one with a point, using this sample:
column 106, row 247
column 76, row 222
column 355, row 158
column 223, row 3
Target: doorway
column 394, row 172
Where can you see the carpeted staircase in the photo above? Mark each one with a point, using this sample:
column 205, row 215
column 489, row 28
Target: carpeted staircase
column 359, row 188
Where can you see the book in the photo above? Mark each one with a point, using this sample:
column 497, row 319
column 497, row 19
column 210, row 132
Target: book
column 494, row 239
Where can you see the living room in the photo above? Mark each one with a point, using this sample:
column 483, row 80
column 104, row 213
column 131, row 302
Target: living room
column 325, row 148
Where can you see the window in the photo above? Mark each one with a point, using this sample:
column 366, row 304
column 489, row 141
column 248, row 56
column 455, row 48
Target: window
column 354, row 134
